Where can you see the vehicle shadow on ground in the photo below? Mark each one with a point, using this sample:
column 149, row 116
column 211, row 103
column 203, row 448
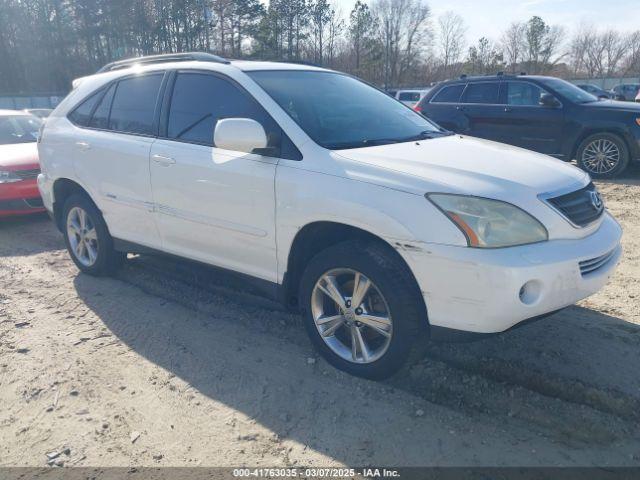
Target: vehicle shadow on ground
column 631, row 176
column 28, row 235
column 571, row 377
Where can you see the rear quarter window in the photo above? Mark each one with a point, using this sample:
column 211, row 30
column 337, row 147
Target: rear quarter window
column 81, row 115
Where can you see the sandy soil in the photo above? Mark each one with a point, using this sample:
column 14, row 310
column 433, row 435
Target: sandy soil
column 170, row 364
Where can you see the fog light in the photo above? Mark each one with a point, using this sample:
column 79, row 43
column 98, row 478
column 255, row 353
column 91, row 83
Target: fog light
column 530, row 292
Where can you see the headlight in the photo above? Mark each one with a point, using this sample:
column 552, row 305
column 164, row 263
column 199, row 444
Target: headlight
column 8, row 177
column 489, row 223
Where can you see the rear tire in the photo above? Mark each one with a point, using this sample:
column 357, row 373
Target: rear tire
column 87, row 237
column 388, row 316
column 603, row 155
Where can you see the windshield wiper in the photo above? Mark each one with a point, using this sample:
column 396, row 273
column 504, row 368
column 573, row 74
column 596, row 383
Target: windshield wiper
column 424, row 135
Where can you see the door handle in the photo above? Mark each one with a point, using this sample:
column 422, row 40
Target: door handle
column 163, row 160
column 460, row 108
column 83, row 146
column 507, row 109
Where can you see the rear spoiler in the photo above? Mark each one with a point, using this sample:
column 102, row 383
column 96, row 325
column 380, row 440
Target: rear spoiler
column 76, row 83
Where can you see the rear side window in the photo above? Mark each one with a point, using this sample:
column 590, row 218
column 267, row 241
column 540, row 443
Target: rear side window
column 484, row 93
column 134, row 104
column 81, row 115
column 523, row 94
column 449, row 94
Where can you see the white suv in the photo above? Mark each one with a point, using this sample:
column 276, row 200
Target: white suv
column 380, row 227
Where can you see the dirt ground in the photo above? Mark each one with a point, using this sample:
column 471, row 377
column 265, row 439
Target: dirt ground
column 171, row 365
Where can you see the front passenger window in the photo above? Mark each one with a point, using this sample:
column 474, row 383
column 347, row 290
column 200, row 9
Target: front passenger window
column 199, row 100
column 523, row 94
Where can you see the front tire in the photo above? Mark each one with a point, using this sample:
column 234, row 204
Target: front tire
column 603, row 155
column 87, row 237
column 362, row 308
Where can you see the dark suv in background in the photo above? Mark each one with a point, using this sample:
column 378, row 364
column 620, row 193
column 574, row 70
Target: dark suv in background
column 544, row 114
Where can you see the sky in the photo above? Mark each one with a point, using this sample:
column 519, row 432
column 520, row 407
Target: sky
column 490, row 17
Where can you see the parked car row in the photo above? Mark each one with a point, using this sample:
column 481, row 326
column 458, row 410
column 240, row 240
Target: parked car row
column 543, row 114
column 626, row 92
column 380, row 226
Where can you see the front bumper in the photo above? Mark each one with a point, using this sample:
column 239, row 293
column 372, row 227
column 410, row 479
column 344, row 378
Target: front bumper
column 20, row 198
column 489, row 291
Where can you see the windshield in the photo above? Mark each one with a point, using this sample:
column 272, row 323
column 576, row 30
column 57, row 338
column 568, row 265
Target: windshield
column 338, row 111
column 569, row 91
column 18, row 129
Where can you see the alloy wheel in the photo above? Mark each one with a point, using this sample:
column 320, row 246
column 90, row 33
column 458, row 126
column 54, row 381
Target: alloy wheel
column 351, row 315
column 601, row 156
column 83, row 237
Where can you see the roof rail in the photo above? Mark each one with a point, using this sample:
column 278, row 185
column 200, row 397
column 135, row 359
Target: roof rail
column 169, row 57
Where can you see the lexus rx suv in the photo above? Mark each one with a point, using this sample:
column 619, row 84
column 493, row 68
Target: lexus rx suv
column 543, row 114
column 381, row 228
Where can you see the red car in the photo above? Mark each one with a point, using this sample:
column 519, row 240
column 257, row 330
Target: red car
column 19, row 165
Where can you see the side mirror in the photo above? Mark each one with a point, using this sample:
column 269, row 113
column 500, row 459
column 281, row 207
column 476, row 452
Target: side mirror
column 239, row 134
column 548, row 100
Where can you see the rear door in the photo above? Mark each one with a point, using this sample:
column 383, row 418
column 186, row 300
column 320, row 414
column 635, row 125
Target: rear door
column 484, row 112
column 445, row 109
column 111, row 156
column 529, row 124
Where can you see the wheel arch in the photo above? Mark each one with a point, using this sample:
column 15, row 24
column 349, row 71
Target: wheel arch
column 63, row 188
column 316, row 236
column 587, row 132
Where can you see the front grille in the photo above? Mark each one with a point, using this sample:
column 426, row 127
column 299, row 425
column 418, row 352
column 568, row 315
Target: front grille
column 593, row 264
column 27, row 174
column 581, row 207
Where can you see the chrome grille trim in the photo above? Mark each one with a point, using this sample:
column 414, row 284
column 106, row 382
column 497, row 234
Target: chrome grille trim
column 575, row 206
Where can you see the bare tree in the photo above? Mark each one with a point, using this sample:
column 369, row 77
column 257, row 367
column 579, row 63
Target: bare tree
column 404, row 33
column 632, row 60
column 513, row 44
column 451, row 39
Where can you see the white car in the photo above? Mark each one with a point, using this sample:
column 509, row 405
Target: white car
column 411, row 97
column 381, row 228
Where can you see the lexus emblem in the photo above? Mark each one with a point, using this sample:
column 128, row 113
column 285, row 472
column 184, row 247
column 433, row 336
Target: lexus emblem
column 596, row 200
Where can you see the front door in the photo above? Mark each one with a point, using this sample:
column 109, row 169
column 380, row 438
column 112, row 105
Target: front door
column 529, row 124
column 213, row 205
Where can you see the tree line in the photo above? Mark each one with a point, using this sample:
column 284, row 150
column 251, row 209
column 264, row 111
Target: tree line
column 44, row 44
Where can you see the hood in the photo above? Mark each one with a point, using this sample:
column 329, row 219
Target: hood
column 466, row 165
column 19, row 156
column 614, row 105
